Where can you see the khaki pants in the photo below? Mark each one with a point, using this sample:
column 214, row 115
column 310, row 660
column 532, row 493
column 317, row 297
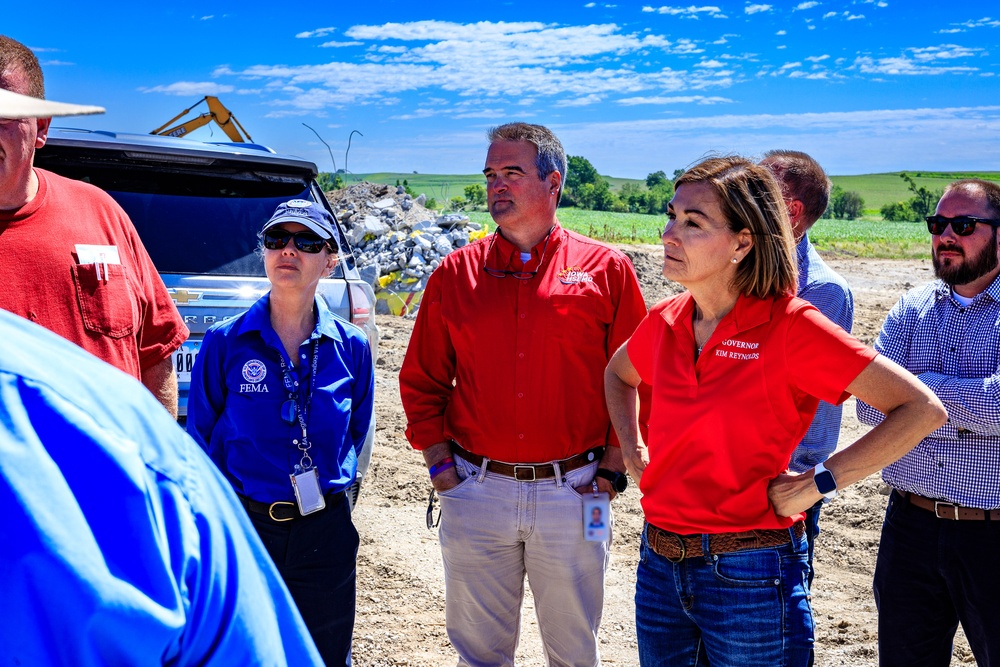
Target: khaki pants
column 494, row 530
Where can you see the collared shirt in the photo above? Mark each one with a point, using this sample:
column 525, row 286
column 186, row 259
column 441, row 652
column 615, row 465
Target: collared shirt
column 514, row 369
column 237, row 393
column 828, row 291
column 723, row 427
column 121, row 544
column 119, row 309
column 954, row 350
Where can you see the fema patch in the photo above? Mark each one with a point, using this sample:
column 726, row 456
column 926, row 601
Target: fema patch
column 298, row 203
column 572, row 275
column 254, row 371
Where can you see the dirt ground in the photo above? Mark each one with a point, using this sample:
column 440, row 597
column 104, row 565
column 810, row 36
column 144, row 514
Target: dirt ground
column 400, row 619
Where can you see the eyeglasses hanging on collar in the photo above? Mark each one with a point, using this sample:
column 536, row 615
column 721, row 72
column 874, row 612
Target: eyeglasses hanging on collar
column 520, row 275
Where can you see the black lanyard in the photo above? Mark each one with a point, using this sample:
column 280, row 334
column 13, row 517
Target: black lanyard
column 302, row 410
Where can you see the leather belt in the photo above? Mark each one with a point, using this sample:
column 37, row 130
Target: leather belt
column 529, row 472
column 282, row 511
column 946, row 510
column 676, row 548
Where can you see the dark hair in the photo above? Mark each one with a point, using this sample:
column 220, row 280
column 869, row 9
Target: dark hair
column 751, row 199
column 551, row 156
column 978, row 187
column 15, row 56
column 800, row 177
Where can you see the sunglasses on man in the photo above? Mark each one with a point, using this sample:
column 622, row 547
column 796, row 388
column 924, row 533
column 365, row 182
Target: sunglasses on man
column 962, row 225
column 276, row 239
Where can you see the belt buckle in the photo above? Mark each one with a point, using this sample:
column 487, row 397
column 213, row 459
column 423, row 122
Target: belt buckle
column 680, row 541
column 270, row 510
column 517, row 473
column 938, row 504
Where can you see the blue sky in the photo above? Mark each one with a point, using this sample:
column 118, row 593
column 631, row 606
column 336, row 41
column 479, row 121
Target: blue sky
column 863, row 85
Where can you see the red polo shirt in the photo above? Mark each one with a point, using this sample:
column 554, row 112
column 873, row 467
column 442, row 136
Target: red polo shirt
column 722, row 428
column 120, row 313
column 514, row 369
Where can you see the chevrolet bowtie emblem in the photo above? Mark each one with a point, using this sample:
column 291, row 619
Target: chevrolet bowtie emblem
column 182, row 296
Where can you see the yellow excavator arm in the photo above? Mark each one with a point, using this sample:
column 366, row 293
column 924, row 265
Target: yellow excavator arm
column 217, row 112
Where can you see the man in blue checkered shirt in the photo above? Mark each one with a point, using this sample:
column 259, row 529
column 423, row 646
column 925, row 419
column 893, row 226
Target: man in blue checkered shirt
column 806, row 191
column 937, row 561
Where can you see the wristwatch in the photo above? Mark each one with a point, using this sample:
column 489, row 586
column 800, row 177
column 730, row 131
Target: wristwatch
column 826, row 483
column 619, row 481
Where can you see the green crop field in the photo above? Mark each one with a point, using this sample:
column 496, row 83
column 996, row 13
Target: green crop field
column 880, row 189
column 868, row 237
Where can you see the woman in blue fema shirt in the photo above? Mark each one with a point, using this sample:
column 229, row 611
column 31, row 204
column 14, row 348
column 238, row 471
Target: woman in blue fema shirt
column 281, row 399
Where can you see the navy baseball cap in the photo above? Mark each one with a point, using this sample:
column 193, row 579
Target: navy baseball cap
column 307, row 213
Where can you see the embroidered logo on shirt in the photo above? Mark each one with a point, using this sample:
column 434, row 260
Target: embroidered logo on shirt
column 572, row 275
column 738, row 349
column 254, row 371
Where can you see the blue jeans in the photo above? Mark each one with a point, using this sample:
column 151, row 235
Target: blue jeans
column 930, row 575
column 728, row 610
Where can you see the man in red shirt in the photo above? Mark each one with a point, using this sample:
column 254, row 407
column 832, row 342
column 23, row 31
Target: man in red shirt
column 503, row 390
column 70, row 259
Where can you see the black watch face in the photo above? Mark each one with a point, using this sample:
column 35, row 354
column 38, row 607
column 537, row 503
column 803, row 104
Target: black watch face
column 619, row 482
column 825, row 483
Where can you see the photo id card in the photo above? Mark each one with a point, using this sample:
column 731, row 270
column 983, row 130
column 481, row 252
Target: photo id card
column 307, row 492
column 597, row 517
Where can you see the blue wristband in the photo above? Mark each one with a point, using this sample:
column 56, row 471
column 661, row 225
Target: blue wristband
column 441, row 466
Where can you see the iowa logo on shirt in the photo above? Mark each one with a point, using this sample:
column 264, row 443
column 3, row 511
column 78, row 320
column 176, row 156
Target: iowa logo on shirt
column 572, row 275
column 254, row 372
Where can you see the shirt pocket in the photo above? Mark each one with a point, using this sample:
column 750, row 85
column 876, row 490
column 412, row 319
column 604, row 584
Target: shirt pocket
column 578, row 320
column 107, row 303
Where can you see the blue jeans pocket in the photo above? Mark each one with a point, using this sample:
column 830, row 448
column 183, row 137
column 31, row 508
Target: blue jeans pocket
column 756, row 568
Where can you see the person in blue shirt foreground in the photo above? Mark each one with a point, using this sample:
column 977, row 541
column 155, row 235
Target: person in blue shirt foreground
column 805, row 189
column 121, row 543
column 282, row 399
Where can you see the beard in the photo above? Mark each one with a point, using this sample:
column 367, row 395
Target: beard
column 969, row 269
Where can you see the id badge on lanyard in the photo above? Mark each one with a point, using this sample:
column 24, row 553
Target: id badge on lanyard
column 308, row 494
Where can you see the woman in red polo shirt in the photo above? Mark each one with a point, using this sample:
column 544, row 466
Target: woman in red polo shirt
column 737, row 366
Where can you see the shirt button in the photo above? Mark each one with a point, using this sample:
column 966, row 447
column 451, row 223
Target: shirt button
column 295, row 442
column 520, row 355
column 303, row 356
column 520, row 436
column 520, row 394
column 523, row 315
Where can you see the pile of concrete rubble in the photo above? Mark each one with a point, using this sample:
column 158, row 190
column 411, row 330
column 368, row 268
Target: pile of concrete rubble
column 397, row 241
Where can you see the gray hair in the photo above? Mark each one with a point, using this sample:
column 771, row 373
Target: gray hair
column 551, row 156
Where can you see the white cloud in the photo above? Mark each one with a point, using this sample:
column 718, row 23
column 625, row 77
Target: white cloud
column 949, row 31
column 57, row 63
column 584, row 101
column 805, row 5
column 855, row 17
column 816, row 59
column 338, row 45
column 320, row 32
column 985, row 22
column 687, row 12
column 943, row 52
column 754, row 9
column 829, row 15
column 208, row 18
column 781, row 32
column 191, row 88
column 44, row 49
column 589, row 5
column 712, row 64
column 907, row 66
column 679, row 99
column 878, row 140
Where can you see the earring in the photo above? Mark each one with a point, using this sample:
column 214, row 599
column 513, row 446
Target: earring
column 735, row 260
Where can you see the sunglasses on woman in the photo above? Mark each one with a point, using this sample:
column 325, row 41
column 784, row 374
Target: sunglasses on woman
column 276, row 239
column 962, row 225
